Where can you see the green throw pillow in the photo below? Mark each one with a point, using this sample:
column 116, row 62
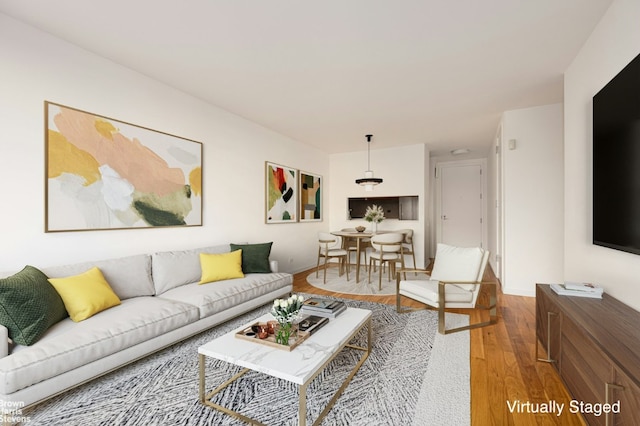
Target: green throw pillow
column 29, row 305
column 255, row 257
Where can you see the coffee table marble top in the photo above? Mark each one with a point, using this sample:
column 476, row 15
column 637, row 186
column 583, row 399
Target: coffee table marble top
column 297, row 366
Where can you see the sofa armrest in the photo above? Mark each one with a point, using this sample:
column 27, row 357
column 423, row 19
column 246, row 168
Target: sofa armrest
column 274, row 265
column 4, row 341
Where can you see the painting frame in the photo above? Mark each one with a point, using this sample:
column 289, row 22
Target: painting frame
column 281, row 193
column 310, row 206
column 103, row 173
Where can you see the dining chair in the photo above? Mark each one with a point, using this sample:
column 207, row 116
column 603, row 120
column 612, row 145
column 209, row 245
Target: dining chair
column 351, row 245
column 407, row 246
column 330, row 247
column 387, row 249
column 455, row 282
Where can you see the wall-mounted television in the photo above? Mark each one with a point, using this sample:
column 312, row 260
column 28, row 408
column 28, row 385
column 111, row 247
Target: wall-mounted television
column 616, row 161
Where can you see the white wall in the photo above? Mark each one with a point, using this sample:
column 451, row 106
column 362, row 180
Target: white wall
column 36, row 67
column 612, row 45
column 494, row 204
column 404, row 172
column 532, row 198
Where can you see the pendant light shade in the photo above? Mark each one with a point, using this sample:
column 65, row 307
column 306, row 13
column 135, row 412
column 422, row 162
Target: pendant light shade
column 368, row 181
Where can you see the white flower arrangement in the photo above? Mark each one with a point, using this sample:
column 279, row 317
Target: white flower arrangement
column 374, row 214
column 286, row 310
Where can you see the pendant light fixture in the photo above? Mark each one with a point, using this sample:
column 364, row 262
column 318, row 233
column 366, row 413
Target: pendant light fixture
column 368, row 181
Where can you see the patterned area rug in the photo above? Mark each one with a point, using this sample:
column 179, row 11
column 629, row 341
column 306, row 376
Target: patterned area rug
column 413, row 376
column 339, row 284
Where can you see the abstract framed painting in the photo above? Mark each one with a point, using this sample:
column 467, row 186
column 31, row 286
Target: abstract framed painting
column 281, row 193
column 310, row 197
column 103, row 173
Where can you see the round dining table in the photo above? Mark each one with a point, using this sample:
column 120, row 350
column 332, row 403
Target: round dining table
column 358, row 237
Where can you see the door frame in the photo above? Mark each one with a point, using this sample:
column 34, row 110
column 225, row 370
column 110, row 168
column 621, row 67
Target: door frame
column 499, row 208
column 482, row 162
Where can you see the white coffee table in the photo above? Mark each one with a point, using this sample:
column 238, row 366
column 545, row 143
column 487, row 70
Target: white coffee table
column 300, row 366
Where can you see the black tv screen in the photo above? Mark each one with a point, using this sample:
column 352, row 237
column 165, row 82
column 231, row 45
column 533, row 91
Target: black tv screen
column 616, row 161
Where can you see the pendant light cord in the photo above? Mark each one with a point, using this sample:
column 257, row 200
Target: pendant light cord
column 368, row 152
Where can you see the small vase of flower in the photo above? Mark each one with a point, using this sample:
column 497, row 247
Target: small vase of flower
column 375, row 215
column 285, row 311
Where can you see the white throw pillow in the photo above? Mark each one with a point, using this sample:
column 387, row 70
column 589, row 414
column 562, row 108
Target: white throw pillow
column 457, row 264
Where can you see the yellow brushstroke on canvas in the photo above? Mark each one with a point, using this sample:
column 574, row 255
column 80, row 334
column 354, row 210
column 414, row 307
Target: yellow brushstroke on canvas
column 67, row 158
column 195, row 180
column 105, row 128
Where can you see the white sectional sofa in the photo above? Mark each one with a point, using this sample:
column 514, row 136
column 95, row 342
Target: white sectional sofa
column 161, row 304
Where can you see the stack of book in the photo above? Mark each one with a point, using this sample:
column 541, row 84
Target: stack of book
column 312, row 323
column 322, row 307
column 578, row 289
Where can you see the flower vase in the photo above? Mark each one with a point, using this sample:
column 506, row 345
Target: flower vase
column 284, row 332
column 374, row 225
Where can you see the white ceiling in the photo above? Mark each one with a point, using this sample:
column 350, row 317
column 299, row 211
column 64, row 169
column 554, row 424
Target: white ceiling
column 326, row 73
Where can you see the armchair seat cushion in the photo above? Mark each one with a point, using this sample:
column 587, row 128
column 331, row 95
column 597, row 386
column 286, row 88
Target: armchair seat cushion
column 427, row 292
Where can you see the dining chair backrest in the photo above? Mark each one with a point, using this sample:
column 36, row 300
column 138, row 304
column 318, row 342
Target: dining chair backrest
column 388, row 243
column 328, row 241
column 408, row 235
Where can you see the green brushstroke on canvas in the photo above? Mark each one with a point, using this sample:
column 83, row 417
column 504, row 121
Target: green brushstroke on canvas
column 156, row 217
column 167, row 210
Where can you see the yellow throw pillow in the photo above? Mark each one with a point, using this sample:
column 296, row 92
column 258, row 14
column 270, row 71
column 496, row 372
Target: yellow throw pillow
column 86, row 294
column 217, row 267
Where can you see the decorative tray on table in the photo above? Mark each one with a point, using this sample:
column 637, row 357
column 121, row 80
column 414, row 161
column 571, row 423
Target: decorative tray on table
column 248, row 333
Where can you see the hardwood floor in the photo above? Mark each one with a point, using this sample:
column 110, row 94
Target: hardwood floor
column 504, row 369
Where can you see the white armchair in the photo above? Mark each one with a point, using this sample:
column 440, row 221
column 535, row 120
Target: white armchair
column 455, row 282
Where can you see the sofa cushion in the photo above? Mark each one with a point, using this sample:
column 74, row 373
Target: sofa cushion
column 255, row 257
column 222, row 266
column 211, row 299
column 175, row 268
column 86, row 294
column 68, row 345
column 128, row 276
column 29, row 305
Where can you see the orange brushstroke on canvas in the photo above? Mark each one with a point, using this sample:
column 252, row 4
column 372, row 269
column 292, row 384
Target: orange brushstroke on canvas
column 143, row 168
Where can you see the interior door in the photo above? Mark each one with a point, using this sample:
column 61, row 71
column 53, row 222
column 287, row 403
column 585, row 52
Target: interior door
column 461, row 205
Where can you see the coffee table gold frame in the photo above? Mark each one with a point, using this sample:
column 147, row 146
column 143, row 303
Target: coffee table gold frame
column 302, row 409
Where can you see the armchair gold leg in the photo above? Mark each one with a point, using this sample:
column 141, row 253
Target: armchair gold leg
column 492, row 308
column 405, row 309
